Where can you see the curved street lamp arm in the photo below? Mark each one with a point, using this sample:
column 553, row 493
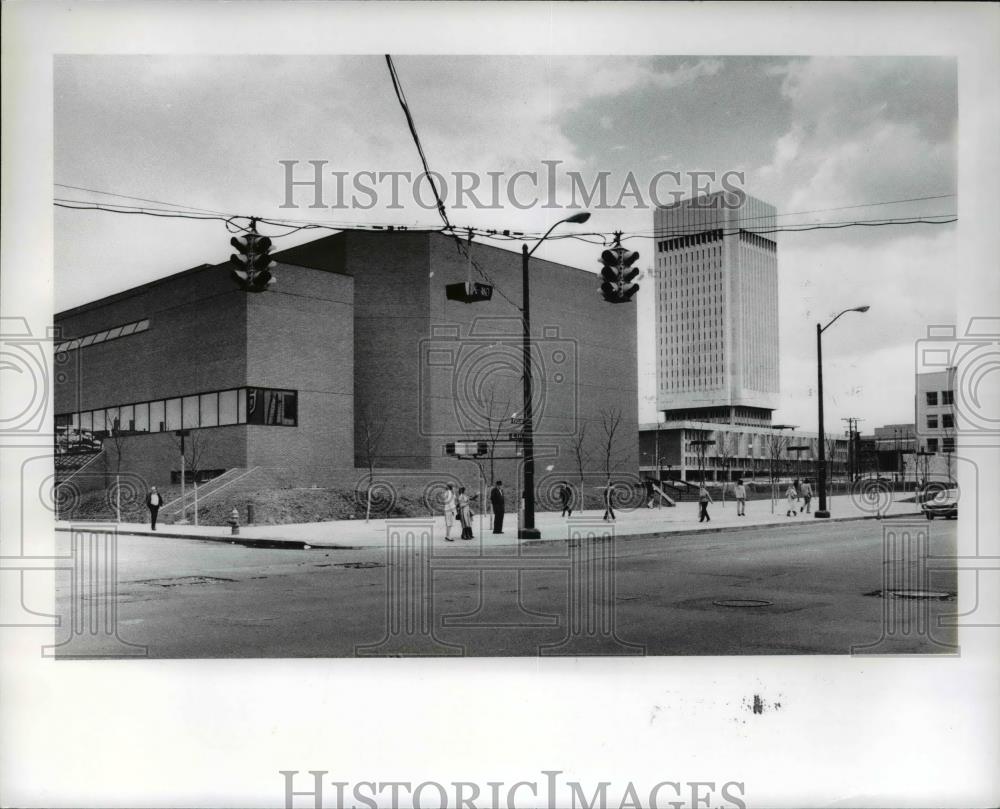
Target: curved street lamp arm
column 852, row 309
column 576, row 218
column 834, row 320
column 549, row 231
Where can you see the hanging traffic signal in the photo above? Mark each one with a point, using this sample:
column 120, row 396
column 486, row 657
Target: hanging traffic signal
column 609, row 274
column 629, row 274
column 618, row 273
column 253, row 266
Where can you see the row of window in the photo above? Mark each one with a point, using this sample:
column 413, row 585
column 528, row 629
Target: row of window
column 213, row 409
column 947, row 421
column 102, row 336
column 947, row 445
column 689, row 241
column 758, row 241
column 947, row 398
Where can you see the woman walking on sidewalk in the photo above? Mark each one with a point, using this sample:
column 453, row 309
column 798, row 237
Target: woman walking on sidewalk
column 450, row 510
column 704, row 498
column 465, row 512
column 793, row 497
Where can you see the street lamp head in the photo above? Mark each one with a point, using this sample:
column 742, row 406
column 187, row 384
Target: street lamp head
column 864, row 308
column 578, row 218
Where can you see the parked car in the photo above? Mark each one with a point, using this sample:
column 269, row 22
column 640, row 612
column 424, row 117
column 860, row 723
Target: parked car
column 941, row 503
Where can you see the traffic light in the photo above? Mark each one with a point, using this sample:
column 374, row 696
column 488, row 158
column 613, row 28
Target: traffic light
column 253, row 266
column 629, row 274
column 618, row 273
column 610, row 273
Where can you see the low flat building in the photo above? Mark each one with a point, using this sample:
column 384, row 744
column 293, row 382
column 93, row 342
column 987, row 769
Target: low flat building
column 358, row 332
column 692, row 451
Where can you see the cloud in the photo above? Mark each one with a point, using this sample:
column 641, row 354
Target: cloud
column 864, row 130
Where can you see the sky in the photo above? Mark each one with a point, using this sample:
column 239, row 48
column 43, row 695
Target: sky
column 806, row 134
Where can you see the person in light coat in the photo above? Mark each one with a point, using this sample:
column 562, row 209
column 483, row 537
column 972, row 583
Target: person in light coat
column 792, row 495
column 740, row 491
column 704, row 498
column 450, row 510
column 465, row 512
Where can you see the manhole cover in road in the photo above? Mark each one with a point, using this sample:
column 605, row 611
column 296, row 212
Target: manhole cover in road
column 742, row 602
column 927, row 595
column 934, row 595
column 180, row 580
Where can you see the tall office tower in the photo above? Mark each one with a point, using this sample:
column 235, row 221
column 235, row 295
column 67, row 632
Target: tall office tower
column 716, row 310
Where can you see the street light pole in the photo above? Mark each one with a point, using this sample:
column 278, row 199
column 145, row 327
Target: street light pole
column 528, row 530
column 821, row 471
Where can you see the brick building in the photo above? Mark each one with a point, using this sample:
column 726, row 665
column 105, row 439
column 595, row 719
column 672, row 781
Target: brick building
column 357, row 331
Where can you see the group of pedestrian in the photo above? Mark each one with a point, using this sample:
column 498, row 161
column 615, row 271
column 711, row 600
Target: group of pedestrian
column 793, row 493
column 460, row 505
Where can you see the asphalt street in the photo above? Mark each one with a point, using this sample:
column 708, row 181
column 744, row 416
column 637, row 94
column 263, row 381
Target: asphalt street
column 804, row 588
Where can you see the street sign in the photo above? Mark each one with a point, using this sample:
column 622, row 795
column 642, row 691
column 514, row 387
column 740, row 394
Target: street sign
column 515, row 436
column 516, row 420
column 469, row 292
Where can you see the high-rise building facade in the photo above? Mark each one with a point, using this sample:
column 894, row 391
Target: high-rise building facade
column 716, row 310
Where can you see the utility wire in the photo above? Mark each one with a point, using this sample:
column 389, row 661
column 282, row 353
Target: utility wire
column 594, row 237
column 137, row 199
column 461, row 247
column 416, row 138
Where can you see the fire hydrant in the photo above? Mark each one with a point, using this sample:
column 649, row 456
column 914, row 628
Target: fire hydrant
column 234, row 520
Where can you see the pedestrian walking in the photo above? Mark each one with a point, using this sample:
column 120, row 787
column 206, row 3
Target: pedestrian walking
column 609, row 496
column 793, row 497
column 153, row 503
column 807, row 496
column 463, row 502
column 741, row 498
column 704, row 498
column 649, row 493
column 450, row 510
column 497, row 504
column 566, row 496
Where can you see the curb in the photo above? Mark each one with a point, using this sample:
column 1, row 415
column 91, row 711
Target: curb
column 237, row 539
column 692, row 532
column 300, row 544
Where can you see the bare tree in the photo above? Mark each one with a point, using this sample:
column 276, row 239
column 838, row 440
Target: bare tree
column 195, row 445
column 581, row 454
column 496, row 407
column 611, row 420
column 701, row 448
column 725, row 450
column 833, row 460
column 371, row 428
column 775, row 444
column 117, row 436
column 192, row 448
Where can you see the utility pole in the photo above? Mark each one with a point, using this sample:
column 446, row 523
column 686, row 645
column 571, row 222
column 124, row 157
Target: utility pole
column 853, row 465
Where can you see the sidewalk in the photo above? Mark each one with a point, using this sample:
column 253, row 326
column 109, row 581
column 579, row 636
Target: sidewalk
column 356, row 534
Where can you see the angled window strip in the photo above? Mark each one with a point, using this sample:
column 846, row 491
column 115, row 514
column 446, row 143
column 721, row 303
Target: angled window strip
column 102, row 336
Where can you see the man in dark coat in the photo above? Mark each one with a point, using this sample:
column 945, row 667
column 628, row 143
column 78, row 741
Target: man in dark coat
column 566, row 496
column 496, row 502
column 153, row 503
